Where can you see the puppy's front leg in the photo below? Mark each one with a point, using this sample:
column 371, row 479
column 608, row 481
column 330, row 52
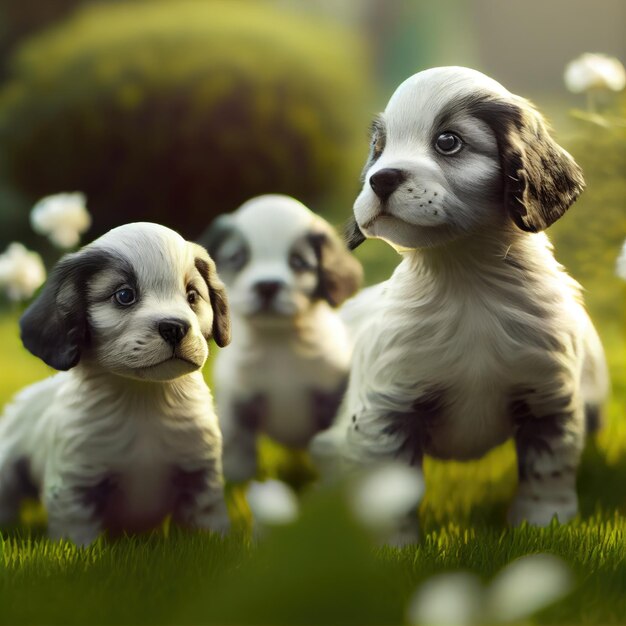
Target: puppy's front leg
column 549, row 437
column 240, row 428
column 390, row 434
column 75, row 502
column 200, row 503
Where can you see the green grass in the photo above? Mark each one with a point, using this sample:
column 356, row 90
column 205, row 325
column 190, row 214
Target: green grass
column 323, row 569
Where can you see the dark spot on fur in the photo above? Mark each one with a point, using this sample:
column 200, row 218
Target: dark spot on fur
column 251, row 412
column 325, row 405
column 536, row 432
column 189, row 483
column 339, row 273
column 25, row 483
column 97, row 496
column 414, row 426
column 221, row 230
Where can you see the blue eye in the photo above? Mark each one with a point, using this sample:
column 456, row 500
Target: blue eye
column 125, row 296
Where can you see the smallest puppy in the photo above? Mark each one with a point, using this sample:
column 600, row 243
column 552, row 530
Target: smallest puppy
column 285, row 270
column 126, row 434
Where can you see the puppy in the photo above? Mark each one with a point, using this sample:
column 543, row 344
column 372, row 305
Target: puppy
column 126, row 433
column 480, row 335
column 285, row 270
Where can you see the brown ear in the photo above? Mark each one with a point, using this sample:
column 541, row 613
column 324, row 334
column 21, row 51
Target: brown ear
column 339, row 273
column 541, row 180
column 217, row 294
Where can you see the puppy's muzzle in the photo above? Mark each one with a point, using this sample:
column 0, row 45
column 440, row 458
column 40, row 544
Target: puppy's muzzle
column 173, row 331
column 386, row 181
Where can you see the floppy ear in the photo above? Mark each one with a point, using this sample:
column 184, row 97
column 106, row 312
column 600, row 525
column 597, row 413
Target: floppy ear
column 352, row 234
column 54, row 327
column 218, row 231
column 217, row 294
column 541, row 180
column 339, row 273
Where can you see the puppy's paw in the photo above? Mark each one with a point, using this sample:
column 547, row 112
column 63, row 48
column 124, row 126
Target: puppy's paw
column 214, row 519
column 82, row 535
column 539, row 511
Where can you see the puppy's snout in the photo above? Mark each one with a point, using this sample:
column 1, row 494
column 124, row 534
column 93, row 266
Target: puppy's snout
column 386, row 181
column 173, row 331
column 267, row 289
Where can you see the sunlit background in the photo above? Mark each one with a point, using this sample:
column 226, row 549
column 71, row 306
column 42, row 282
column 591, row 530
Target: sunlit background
column 175, row 111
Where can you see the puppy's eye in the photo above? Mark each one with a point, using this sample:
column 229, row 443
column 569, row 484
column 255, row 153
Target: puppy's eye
column 192, row 296
column 298, row 263
column 448, row 143
column 125, row 296
column 236, row 260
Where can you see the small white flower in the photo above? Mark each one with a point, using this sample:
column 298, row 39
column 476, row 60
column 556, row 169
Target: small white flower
column 22, row 272
column 385, row 494
column 62, row 217
column 595, row 71
column 272, row 502
column 447, row 600
column 526, row 586
column 620, row 267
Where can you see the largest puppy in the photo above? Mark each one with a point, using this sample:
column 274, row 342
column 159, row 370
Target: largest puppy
column 479, row 335
column 128, row 434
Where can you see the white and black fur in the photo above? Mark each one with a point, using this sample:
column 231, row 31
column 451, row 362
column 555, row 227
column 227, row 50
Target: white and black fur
column 285, row 270
column 479, row 335
column 127, row 433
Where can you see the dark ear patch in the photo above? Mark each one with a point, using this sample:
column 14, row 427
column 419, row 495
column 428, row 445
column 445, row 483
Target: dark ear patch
column 352, row 234
column 339, row 273
column 54, row 327
column 219, row 301
column 541, row 180
column 215, row 235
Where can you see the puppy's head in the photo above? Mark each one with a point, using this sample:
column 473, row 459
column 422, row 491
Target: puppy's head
column 139, row 302
column 277, row 258
column 454, row 153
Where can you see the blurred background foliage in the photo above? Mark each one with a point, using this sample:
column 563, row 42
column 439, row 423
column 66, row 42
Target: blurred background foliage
column 588, row 239
column 175, row 112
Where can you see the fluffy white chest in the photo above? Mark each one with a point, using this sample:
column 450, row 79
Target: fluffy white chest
column 129, row 447
column 143, row 475
column 463, row 352
column 291, row 380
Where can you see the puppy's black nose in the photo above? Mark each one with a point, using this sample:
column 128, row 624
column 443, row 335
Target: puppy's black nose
column 267, row 289
column 386, row 181
column 173, row 331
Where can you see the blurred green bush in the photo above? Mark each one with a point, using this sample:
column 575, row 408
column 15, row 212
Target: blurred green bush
column 176, row 111
column 589, row 237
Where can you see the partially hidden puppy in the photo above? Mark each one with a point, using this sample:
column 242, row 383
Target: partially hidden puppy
column 285, row 373
column 479, row 335
column 127, row 433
